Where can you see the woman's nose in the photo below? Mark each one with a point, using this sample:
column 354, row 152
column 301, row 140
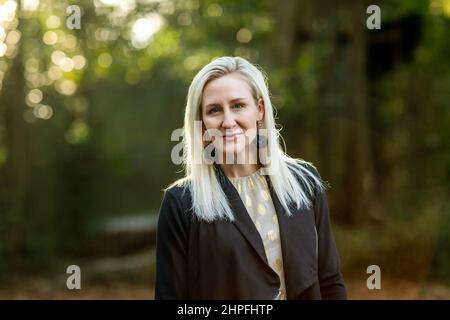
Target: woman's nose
column 228, row 120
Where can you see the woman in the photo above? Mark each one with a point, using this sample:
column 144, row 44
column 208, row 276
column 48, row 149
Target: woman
column 234, row 228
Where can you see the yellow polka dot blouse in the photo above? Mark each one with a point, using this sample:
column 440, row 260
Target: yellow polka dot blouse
column 255, row 195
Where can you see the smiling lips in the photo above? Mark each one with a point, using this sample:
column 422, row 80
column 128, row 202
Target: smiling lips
column 231, row 137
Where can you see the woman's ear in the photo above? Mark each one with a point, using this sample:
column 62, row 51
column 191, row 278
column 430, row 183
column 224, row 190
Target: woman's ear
column 261, row 109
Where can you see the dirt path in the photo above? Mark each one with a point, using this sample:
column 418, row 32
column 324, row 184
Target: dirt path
column 38, row 288
column 397, row 290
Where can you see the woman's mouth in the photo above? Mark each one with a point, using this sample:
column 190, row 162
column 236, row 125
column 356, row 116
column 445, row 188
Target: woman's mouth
column 231, row 137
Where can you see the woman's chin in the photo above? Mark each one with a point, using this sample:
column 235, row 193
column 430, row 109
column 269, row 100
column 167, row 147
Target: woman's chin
column 231, row 156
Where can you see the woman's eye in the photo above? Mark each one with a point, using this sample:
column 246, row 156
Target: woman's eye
column 238, row 106
column 213, row 110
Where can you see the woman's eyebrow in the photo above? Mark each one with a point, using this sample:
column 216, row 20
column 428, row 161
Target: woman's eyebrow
column 211, row 105
column 218, row 104
column 237, row 99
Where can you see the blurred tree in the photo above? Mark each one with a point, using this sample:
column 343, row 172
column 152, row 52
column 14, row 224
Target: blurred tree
column 86, row 115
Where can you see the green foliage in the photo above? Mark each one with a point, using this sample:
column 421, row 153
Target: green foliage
column 86, row 117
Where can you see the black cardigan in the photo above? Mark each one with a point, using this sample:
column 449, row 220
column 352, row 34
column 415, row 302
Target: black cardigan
column 226, row 260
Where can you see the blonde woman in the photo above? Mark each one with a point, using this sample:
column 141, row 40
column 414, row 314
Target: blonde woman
column 247, row 221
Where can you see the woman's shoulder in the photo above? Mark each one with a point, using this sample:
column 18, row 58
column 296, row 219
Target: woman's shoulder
column 305, row 167
column 179, row 191
column 308, row 176
column 176, row 204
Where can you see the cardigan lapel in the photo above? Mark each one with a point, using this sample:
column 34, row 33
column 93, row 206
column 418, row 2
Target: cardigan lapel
column 242, row 219
column 297, row 235
column 298, row 245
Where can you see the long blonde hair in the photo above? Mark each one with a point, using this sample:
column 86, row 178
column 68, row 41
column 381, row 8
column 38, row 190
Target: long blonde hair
column 293, row 183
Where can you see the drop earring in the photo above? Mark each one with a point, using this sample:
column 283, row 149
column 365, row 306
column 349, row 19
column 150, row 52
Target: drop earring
column 209, row 153
column 260, row 140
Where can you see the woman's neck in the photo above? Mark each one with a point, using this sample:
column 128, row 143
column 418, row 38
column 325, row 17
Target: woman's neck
column 239, row 170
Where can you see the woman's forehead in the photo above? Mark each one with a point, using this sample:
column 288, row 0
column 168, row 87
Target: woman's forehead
column 227, row 88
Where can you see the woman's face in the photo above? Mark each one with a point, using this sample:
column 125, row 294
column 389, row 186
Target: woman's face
column 229, row 107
